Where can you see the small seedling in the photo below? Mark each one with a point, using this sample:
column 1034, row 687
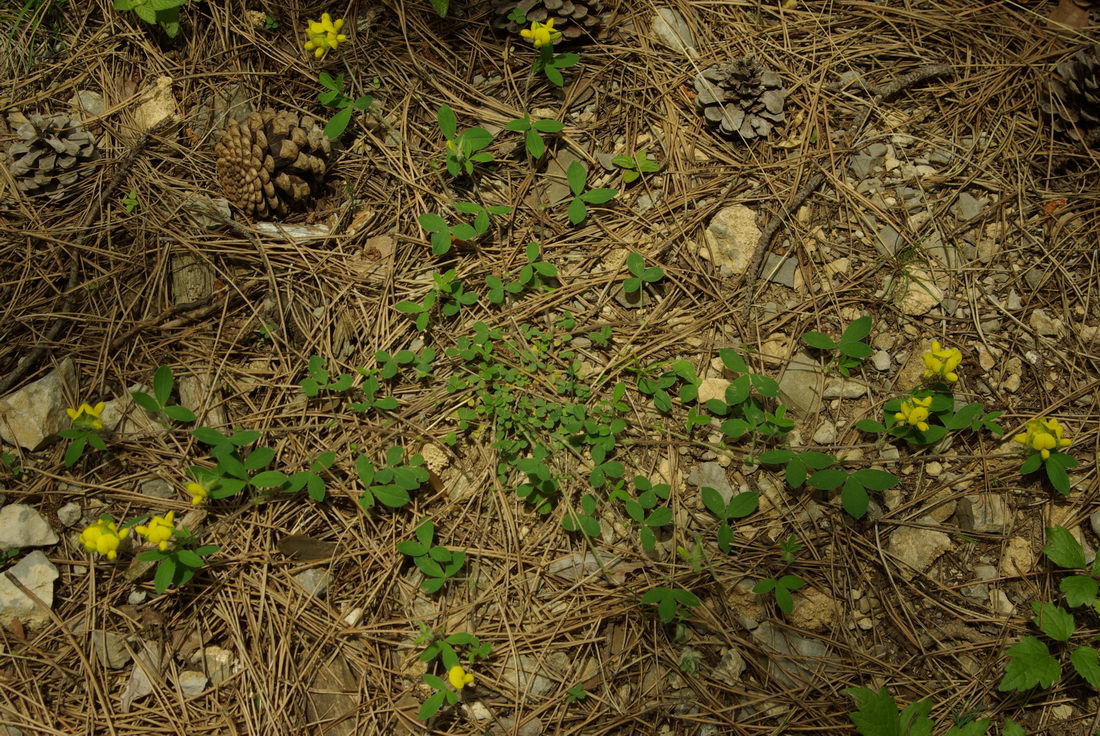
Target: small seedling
column 577, row 176
column 740, row 506
column 850, row 347
column 176, row 566
column 584, row 520
column 791, row 547
column 575, row 693
column 130, row 201
column 533, row 142
column 441, row 7
column 537, row 273
column 334, row 97
column 442, row 235
column 673, row 604
column 640, row 275
column 781, row 588
column 448, row 294
column 157, row 404
column 391, row 484
column 437, row 563
column 312, row 480
column 319, row 379
column 877, row 714
column 748, row 413
column 234, row 467
column 163, row 13
column 646, row 513
column 462, row 150
column 445, row 648
column 270, row 22
column 636, row 165
column 481, row 214
column 551, row 64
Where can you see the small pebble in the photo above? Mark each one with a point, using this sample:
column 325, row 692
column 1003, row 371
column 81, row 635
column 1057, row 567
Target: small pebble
column 69, row 514
column 881, row 361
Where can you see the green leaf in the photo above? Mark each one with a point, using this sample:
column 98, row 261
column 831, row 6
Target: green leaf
column 635, row 263
column 623, row 161
column 742, row 505
column 166, row 572
column 827, row 480
column 1012, row 728
column 432, row 222
column 534, row 143
column 1079, row 590
column 1031, row 464
column 145, row 401
column 577, row 211
column 979, row 727
column 775, row 457
column 870, row 425
column 432, row 705
column 819, row 340
column 766, row 585
column 856, row 331
column 448, row 124
column 1063, row 549
column 477, row 138
column 1053, row 621
column 147, row 14
column 269, row 479
column 519, row 124
column 162, row 384
column 712, row 499
column 853, row 497
column 576, row 175
column 659, row 517
column 1086, row 661
column 335, row 127
column 599, row 196
column 548, row 126
column 189, row 558
column 795, row 473
column 1056, row 474
column 876, row 480
column 554, row 75
column 563, row 61
column 179, row 413
column 411, row 548
column 1029, row 664
column 876, row 713
column 817, row 460
column 855, row 349
column 733, row 360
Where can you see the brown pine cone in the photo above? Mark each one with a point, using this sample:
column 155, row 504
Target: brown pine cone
column 272, row 163
column 1074, row 103
column 47, row 158
column 573, row 18
column 741, row 99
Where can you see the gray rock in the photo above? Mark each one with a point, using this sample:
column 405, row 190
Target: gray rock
column 123, row 416
column 796, row 659
column 780, row 270
column 1094, row 522
column 69, row 514
column 523, row 675
column 801, row 384
column 208, row 213
column 1014, row 302
column 670, row 28
column 647, row 201
column 136, row 597
column 967, row 207
column 22, row 526
column 888, row 240
column 314, row 581
column 712, row 475
column 86, row 103
column 881, row 361
column 33, row 415
column 1044, row 324
column 861, row 165
column 920, row 292
column 1034, row 277
column 984, row 513
column 192, row 683
column 825, row 434
column 917, row 548
column 731, row 239
column 157, row 488
column 110, row 648
column 729, row 667
column 842, row 388
column 876, row 150
column 38, row 574
column 941, row 157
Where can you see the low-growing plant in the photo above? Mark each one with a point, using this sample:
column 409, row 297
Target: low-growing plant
column 320, row 379
column 177, row 557
column 84, row 432
column 927, row 415
column 482, row 214
column 442, row 234
column 157, row 404
column 438, row 564
column 441, row 7
column 850, row 348
column 577, row 176
column 313, row 480
column 738, row 507
column 162, row 13
column 391, row 483
column 645, row 509
column 658, row 379
column 536, row 274
column 746, row 402
column 1030, row 662
column 878, row 714
column 531, row 129
column 576, row 693
column 333, row 96
column 447, row 294
column 1044, row 441
column 673, row 604
column 235, row 467
column 463, row 150
column 543, row 36
column 639, row 274
column 130, row 201
column 446, row 648
column 636, row 165
column 584, row 520
column 816, row 469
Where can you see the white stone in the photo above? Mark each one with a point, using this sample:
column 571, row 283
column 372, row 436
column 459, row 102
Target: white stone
column 713, row 388
column 22, row 526
column 524, row 675
column 730, row 667
column 801, row 384
column 38, row 574
column 1000, row 603
column 1017, row 560
column 110, row 648
column 1046, row 325
column 69, row 514
column 314, row 581
column 159, row 106
column 731, row 239
column 825, row 434
column 840, row 388
column 219, row 664
column 86, row 103
column 672, row 30
column 33, row 415
column 918, row 548
column 984, row 513
column 192, row 683
column 881, row 361
column 920, row 293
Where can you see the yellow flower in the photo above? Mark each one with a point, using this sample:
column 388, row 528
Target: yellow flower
column 541, row 34
column 324, row 34
column 459, row 678
column 159, row 530
column 1044, row 435
column 914, row 412
column 199, row 493
column 103, row 537
column 87, row 416
column 942, row 362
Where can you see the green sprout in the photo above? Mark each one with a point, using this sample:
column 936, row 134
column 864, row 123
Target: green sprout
column 636, row 165
column 333, row 96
